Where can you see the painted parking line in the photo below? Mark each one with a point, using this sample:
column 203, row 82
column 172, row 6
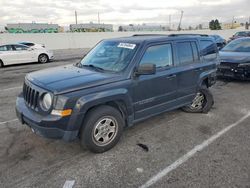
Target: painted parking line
column 4, row 122
column 11, row 88
column 191, row 153
column 69, row 184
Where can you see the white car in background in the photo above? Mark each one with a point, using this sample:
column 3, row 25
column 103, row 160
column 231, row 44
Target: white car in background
column 32, row 44
column 18, row 54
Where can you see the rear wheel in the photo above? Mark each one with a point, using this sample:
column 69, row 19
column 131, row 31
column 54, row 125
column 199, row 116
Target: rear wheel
column 102, row 129
column 1, row 64
column 43, row 58
column 202, row 102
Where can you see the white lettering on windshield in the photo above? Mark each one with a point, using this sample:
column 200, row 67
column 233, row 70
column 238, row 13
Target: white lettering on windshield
column 126, row 45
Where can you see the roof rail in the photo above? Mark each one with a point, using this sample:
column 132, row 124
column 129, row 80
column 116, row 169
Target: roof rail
column 138, row 35
column 177, row 35
column 171, row 35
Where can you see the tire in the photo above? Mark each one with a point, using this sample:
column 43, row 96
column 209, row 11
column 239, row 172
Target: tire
column 102, row 129
column 200, row 105
column 1, row 64
column 43, row 58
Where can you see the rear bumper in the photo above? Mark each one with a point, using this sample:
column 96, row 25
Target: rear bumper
column 51, row 56
column 46, row 127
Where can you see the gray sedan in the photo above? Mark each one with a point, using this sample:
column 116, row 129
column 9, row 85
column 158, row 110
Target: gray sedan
column 235, row 60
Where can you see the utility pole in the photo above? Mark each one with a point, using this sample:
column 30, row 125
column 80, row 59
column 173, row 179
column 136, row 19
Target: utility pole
column 98, row 18
column 76, row 16
column 170, row 22
column 179, row 27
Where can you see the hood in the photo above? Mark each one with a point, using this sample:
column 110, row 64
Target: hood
column 69, row 78
column 235, row 57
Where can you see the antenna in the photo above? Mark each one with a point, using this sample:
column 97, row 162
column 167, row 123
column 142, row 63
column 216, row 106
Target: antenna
column 179, row 27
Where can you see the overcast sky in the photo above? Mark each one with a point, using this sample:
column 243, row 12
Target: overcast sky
column 122, row 11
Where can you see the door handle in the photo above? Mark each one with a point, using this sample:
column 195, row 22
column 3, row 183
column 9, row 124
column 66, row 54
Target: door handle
column 171, row 76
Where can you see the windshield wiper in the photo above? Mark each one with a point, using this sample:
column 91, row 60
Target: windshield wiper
column 93, row 66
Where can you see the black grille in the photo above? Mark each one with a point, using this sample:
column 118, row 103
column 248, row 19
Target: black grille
column 228, row 65
column 31, row 96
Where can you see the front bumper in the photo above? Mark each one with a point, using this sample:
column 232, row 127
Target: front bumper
column 242, row 73
column 43, row 126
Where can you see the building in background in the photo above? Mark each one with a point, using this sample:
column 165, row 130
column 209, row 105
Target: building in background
column 143, row 27
column 91, row 27
column 32, row 28
column 234, row 25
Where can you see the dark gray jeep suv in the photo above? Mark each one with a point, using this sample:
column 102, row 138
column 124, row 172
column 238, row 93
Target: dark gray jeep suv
column 118, row 83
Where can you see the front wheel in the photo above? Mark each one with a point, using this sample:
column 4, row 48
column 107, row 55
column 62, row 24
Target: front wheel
column 102, row 129
column 202, row 102
column 43, row 58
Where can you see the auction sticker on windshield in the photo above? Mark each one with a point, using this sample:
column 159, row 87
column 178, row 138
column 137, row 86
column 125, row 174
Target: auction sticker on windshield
column 126, row 45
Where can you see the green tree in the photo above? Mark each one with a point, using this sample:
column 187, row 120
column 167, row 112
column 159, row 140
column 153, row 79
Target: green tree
column 214, row 25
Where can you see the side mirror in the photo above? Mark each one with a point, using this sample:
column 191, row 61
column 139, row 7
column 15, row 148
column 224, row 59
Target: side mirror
column 30, row 49
column 146, row 69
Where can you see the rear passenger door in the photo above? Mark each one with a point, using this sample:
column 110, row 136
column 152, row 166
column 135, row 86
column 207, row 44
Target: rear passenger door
column 24, row 54
column 189, row 69
column 153, row 94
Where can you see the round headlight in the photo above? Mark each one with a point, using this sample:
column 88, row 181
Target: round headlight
column 47, row 101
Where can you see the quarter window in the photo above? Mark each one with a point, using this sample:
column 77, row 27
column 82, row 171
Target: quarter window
column 208, row 49
column 160, row 55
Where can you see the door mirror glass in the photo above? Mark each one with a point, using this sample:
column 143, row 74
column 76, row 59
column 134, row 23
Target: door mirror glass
column 146, row 69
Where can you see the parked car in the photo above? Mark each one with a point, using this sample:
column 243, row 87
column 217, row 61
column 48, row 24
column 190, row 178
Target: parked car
column 219, row 41
column 239, row 35
column 118, row 83
column 31, row 44
column 18, row 53
column 235, row 59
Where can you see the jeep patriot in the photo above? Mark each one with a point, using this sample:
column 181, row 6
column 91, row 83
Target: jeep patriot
column 119, row 82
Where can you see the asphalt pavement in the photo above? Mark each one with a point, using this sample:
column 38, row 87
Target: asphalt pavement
column 184, row 150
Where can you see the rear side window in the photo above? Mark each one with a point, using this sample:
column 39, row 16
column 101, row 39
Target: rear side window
column 208, row 49
column 185, row 53
column 20, row 47
column 160, row 55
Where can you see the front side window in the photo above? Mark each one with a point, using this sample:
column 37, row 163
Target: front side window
column 110, row 56
column 240, row 45
column 3, row 48
column 160, row 55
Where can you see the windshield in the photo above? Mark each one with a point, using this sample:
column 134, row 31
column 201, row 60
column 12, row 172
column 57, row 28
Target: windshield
column 238, row 46
column 241, row 34
column 110, row 56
